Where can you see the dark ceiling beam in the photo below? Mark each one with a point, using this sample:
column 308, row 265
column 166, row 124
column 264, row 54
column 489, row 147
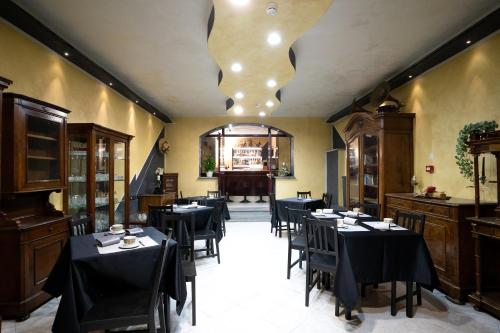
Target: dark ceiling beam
column 486, row 26
column 18, row 17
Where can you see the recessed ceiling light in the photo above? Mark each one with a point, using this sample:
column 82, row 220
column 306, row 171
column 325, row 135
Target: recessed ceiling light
column 240, row 2
column 137, row 101
column 273, row 38
column 269, row 104
column 154, row 113
column 469, row 41
column 272, row 8
column 238, row 109
column 271, row 83
column 262, row 114
column 66, row 54
column 410, row 76
column 236, row 67
column 239, row 95
column 111, row 83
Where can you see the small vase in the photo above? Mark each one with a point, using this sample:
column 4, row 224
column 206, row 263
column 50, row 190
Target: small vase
column 210, row 173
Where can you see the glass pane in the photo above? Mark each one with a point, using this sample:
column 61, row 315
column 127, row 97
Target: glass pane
column 119, row 181
column 370, row 163
column 247, row 153
column 353, row 155
column 43, row 149
column 282, row 152
column 102, row 184
column 77, row 180
column 209, row 145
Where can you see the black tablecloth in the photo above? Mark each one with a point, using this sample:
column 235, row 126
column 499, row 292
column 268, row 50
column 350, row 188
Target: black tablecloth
column 206, row 201
column 81, row 274
column 280, row 213
column 381, row 256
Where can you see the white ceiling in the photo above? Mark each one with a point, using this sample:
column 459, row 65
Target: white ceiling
column 159, row 47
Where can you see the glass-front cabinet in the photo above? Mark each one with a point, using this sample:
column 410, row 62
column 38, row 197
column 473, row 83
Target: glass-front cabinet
column 98, row 182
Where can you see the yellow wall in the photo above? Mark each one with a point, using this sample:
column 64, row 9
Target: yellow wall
column 41, row 73
column 463, row 90
column 311, row 141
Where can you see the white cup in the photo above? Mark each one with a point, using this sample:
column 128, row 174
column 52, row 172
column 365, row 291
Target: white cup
column 355, row 210
column 129, row 240
column 388, row 220
column 340, row 222
column 194, row 203
column 116, row 228
column 319, row 211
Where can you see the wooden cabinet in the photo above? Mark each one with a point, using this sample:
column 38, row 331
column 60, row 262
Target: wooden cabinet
column 379, row 156
column 32, row 231
column 98, row 175
column 448, row 237
column 146, row 200
column 37, row 145
column 169, row 183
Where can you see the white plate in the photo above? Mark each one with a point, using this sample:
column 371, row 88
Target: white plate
column 117, row 232
column 133, row 246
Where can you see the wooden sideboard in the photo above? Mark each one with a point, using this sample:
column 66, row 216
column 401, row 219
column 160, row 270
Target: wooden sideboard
column 448, row 237
column 146, row 200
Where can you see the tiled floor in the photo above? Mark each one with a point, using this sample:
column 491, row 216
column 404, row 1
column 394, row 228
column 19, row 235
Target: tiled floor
column 249, row 292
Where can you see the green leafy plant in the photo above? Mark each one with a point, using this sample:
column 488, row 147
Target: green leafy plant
column 209, row 164
column 462, row 156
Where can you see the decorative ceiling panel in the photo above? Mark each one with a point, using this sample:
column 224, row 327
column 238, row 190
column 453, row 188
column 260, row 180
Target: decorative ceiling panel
column 253, row 48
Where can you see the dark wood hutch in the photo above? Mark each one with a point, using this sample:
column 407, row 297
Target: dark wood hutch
column 486, row 231
column 98, row 171
column 32, row 231
column 379, row 156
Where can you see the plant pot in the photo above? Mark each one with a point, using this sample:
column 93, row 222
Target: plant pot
column 210, row 173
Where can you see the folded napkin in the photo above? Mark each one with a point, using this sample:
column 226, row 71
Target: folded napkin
column 134, row 231
column 349, row 220
column 106, row 240
column 328, row 211
column 351, row 213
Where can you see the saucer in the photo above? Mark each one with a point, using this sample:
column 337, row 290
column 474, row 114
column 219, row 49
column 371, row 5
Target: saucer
column 117, row 232
column 132, row 246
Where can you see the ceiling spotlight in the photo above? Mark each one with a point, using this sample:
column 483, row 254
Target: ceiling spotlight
column 410, row 76
column 271, row 83
column 240, row 2
column 269, row 104
column 239, row 95
column 137, row 101
column 272, row 8
column 66, row 54
column 262, row 114
column 469, row 41
column 154, row 113
column 238, row 109
column 111, row 83
column 236, row 67
column 273, row 38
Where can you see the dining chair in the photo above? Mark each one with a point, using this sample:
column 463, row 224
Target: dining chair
column 154, row 215
column 416, row 223
column 304, row 194
column 321, row 240
column 296, row 237
column 372, row 209
column 210, row 232
column 327, row 200
column 131, row 308
column 78, row 227
column 213, row 194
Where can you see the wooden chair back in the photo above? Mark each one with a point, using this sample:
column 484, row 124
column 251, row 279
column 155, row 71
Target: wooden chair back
column 79, row 227
column 411, row 221
column 321, row 238
column 295, row 221
column 327, row 200
column 304, row 194
column 371, row 209
column 158, row 277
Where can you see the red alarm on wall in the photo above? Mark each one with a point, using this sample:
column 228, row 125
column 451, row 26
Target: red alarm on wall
column 429, row 168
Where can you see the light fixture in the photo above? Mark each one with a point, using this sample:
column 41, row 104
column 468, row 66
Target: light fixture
column 269, row 104
column 238, row 109
column 273, row 38
column 137, row 101
column 240, row 2
column 236, row 67
column 272, row 8
column 154, row 113
column 111, row 83
column 271, row 83
column 469, row 41
column 410, row 76
column 66, row 54
column 262, row 114
column 239, row 95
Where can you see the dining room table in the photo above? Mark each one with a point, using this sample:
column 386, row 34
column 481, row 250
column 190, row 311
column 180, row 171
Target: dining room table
column 207, row 201
column 85, row 270
column 370, row 252
column 280, row 214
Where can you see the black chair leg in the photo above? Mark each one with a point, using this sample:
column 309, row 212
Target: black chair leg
column 161, row 315
column 363, row 289
column 393, row 298
column 193, row 303
column 217, row 248
column 419, row 294
column 166, row 304
column 327, row 282
column 308, row 281
column 409, row 299
column 337, row 307
column 289, row 263
column 301, row 255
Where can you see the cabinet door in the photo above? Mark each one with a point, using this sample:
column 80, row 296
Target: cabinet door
column 370, row 168
column 102, row 183
column 77, row 179
column 353, row 165
column 119, row 182
column 41, row 157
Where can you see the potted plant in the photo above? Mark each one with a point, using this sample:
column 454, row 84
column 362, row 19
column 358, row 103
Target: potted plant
column 209, row 166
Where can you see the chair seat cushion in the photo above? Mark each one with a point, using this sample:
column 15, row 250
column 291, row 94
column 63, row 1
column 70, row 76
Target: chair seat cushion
column 298, row 242
column 119, row 305
column 322, row 261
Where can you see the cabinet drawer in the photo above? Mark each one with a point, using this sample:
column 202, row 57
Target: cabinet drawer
column 433, row 209
column 399, row 202
column 46, row 230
